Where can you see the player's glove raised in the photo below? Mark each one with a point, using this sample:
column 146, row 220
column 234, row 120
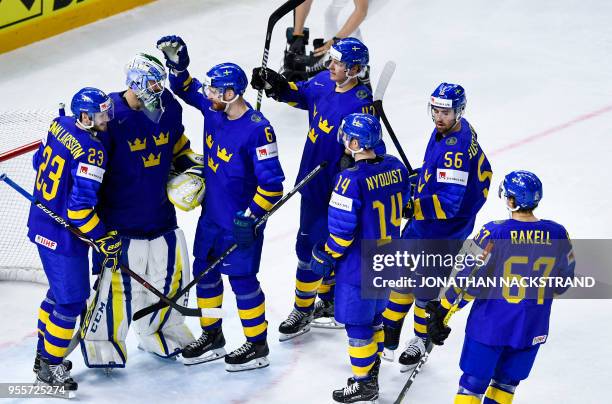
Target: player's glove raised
column 270, row 81
column 186, row 190
column 175, row 52
column 436, row 329
column 244, row 230
column 110, row 247
column 321, row 262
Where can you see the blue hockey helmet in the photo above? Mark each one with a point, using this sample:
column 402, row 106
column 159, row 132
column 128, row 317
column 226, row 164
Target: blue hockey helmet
column 224, row 76
column 524, row 186
column 449, row 96
column 146, row 77
column 95, row 103
column 365, row 128
column 350, row 51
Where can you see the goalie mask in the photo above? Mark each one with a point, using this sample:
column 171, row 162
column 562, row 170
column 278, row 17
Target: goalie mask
column 146, row 77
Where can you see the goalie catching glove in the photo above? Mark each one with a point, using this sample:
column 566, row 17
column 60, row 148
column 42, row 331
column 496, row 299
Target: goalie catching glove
column 186, row 190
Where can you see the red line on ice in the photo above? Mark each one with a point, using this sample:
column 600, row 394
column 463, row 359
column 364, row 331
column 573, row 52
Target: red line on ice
column 552, row 130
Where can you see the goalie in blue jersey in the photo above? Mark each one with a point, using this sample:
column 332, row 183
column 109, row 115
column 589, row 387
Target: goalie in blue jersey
column 361, row 208
column 243, row 179
column 70, row 165
column 328, row 97
column 507, row 324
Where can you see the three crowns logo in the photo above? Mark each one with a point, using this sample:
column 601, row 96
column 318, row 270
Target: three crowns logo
column 212, row 165
column 324, row 125
column 209, row 141
column 222, row 154
column 152, row 160
column 162, row 139
column 312, row 136
column 138, row 144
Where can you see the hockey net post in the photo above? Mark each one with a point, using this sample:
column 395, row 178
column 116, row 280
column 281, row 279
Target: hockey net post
column 20, row 134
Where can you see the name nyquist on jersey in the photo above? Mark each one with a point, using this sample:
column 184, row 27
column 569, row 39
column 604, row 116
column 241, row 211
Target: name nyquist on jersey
column 366, row 204
column 70, row 165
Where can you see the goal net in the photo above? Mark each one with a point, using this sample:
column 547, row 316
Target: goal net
column 20, row 133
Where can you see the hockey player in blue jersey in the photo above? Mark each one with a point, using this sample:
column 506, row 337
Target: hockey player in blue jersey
column 70, row 165
column 329, row 97
column 145, row 143
column 507, row 324
column 362, row 207
column 243, row 178
column 448, row 191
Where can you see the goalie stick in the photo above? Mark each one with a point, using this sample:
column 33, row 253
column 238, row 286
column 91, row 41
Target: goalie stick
column 383, row 82
column 430, row 345
column 279, row 13
column 161, row 304
column 61, row 221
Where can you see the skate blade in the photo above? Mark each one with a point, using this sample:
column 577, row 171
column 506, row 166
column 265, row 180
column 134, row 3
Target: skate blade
column 326, row 322
column 407, row 368
column 54, row 391
column 206, row 357
column 285, row 337
column 388, row 355
column 254, row 364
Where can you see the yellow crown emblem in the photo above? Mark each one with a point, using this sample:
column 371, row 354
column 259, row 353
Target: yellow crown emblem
column 209, row 141
column 138, row 144
column 222, row 154
column 312, row 136
column 212, row 165
column 324, row 126
column 152, row 160
column 162, row 139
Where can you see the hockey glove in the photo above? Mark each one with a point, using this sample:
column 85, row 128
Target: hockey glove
column 408, row 211
column 244, row 230
column 436, row 329
column 175, row 52
column 269, row 80
column 110, row 247
column 413, row 180
column 186, row 190
column 321, row 262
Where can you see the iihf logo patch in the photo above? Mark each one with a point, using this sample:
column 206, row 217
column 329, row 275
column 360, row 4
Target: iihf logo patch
column 451, row 141
column 255, row 118
column 361, row 94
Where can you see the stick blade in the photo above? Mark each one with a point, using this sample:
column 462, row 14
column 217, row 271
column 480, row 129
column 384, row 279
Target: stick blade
column 384, row 79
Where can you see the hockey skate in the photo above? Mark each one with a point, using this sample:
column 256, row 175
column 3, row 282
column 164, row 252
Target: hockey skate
column 66, row 363
column 392, row 337
column 209, row 347
column 251, row 355
column 56, row 380
column 358, row 391
column 296, row 324
column 323, row 316
column 415, row 349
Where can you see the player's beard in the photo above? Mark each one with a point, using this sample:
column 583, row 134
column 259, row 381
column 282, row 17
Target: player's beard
column 218, row 106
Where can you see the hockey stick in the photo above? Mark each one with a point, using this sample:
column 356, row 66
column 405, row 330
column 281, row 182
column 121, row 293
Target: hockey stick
column 279, row 13
column 161, row 304
column 61, row 221
column 430, row 345
column 385, row 77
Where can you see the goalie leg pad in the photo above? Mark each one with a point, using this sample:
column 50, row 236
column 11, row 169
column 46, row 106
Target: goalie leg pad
column 163, row 332
column 103, row 345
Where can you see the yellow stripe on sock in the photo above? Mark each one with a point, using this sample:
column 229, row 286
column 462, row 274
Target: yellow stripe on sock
column 56, row 351
column 249, row 314
column 420, row 328
column 362, row 352
column 307, row 287
column 300, row 302
column 210, row 302
column 43, row 316
column 255, row 330
column 420, row 312
column 324, row 288
column 401, row 298
column 465, row 399
column 59, row 332
column 361, row 371
column 393, row 315
column 499, row 396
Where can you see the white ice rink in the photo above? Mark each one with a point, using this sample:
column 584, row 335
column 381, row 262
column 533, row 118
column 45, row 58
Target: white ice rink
column 539, row 82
